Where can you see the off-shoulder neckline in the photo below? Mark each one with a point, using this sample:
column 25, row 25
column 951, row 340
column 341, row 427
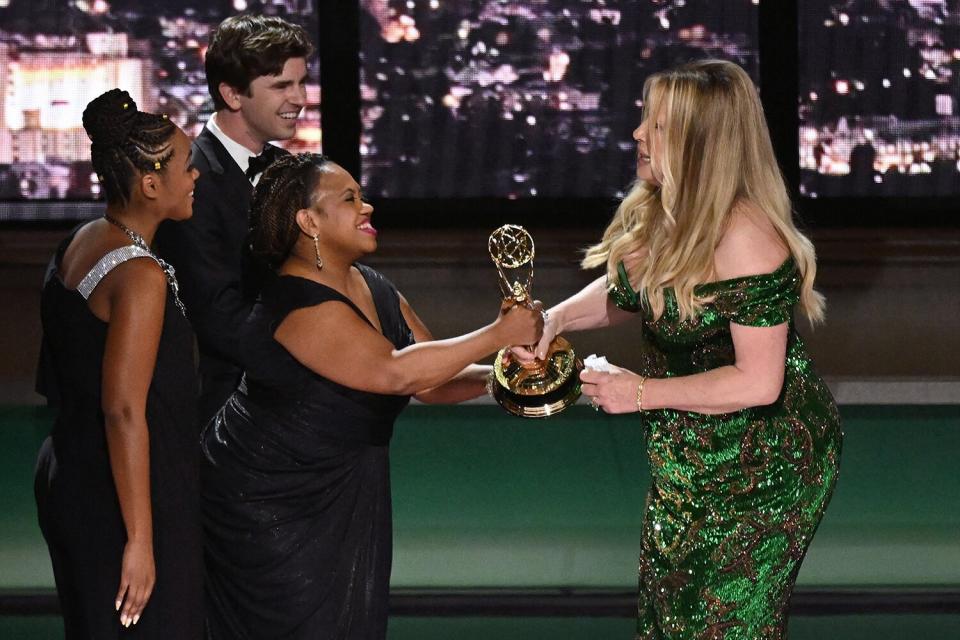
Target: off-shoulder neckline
column 786, row 266
column 788, row 262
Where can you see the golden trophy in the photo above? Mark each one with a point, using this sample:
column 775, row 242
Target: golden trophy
column 539, row 388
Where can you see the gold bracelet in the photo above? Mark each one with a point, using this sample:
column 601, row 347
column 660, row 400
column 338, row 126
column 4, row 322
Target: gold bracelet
column 643, row 379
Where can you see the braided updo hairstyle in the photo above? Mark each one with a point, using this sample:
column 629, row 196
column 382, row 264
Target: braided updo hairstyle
column 285, row 187
column 125, row 142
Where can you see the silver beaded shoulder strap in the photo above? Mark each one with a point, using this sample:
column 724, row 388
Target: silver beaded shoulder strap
column 107, row 264
column 141, row 244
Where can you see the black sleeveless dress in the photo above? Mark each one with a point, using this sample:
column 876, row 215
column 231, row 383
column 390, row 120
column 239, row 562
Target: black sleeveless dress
column 77, row 502
column 296, row 486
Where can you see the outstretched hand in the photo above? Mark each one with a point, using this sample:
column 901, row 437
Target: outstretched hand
column 614, row 391
column 520, row 323
column 524, row 353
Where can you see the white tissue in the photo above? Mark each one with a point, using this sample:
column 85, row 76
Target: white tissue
column 595, row 362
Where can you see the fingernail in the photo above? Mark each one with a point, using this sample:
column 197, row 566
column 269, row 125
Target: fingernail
column 123, row 619
column 136, row 618
column 117, row 606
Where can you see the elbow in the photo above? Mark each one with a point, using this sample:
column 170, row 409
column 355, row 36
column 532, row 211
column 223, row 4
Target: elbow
column 427, row 396
column 766, row 393
column 120, row 415
column 400, row 381
column 766, row 398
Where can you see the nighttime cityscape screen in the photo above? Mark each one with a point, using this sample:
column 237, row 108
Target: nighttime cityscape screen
column 879, row 90
column 57, row 55
column 509, row 99
column 497, row 98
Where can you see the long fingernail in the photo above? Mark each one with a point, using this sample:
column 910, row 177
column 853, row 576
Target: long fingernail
column 123, row 619
column 136, row 618
column 116, row 606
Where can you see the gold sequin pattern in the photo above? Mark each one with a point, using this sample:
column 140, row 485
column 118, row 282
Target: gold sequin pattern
column 735, row 498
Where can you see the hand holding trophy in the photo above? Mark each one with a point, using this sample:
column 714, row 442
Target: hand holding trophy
column 538, row 388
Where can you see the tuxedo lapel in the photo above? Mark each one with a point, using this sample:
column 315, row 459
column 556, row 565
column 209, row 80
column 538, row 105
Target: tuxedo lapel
column 231, row 181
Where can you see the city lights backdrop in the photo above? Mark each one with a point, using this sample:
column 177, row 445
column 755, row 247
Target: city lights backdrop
column 880, row 83
column 57, row 55
column 521, row 99
column 497, row 98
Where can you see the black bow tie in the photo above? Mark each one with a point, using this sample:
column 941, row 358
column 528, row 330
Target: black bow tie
column 259, row 163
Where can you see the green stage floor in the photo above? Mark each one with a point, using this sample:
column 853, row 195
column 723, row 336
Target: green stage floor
column 483, row 500
column 875, row 627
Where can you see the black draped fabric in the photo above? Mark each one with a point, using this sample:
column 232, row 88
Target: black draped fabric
column 296, row 486
column 77, row 502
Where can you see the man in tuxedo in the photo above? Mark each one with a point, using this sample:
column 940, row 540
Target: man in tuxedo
column 256, row 73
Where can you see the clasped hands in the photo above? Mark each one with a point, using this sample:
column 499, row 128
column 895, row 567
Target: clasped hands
column 521, row 322
column 613, row 390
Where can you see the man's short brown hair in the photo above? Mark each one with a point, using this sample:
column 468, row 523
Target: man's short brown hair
column 245, row 47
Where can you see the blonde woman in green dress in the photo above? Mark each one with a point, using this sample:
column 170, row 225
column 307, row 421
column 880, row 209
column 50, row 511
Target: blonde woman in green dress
column 743, row 437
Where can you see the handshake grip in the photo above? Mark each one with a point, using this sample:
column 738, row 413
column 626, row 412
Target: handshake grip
column 521, row 323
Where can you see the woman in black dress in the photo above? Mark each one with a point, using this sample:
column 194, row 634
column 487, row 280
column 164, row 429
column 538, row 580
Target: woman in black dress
column 296, row 485
column 117, row 480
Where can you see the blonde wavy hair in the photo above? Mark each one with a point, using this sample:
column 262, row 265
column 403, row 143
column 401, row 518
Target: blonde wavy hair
column 716, row 153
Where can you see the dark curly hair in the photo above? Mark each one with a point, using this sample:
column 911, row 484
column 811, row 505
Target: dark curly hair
column 125, row 142
column 285, row 187
column 245, row 47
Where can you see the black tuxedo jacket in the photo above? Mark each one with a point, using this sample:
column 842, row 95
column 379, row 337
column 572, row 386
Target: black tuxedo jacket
column 219, row 281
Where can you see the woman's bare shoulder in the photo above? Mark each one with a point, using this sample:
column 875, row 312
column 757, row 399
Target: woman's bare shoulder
column 750, row 244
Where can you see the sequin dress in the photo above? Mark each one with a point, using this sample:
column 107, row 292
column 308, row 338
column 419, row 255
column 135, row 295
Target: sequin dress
column 735, row 498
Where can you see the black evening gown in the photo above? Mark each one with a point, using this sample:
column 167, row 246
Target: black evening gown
column 296, row 486
column 77, row 502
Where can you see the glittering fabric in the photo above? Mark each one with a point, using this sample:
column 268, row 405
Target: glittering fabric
column 115, row 258
column 735, row 498
column 106, row 264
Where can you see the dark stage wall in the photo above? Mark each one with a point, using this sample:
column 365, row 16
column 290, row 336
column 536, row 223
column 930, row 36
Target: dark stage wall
column 893, row 297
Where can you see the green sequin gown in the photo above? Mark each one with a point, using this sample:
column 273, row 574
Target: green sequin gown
column 735, row 498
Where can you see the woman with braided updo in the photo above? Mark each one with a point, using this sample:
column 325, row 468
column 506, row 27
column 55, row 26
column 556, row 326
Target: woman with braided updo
column 296, row 486
column 117, row 480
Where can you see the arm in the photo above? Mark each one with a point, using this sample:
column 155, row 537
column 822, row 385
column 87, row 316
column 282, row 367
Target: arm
column 756, row 376
column 136, row 292
column 368, row 362
column 591, row 308
column 754, row 379
column 466, row 385
column 469, row 383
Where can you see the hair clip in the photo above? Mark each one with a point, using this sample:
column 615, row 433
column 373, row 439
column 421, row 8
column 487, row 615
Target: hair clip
column 165, row 117
column 156, row 165
column 126, row 105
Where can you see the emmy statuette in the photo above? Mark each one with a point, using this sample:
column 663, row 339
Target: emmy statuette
column 539, row 388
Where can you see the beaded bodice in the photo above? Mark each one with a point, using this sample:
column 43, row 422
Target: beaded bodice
column 693, row 345
column 108, row 263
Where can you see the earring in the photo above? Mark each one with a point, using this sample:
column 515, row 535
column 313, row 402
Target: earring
column 316, row 246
